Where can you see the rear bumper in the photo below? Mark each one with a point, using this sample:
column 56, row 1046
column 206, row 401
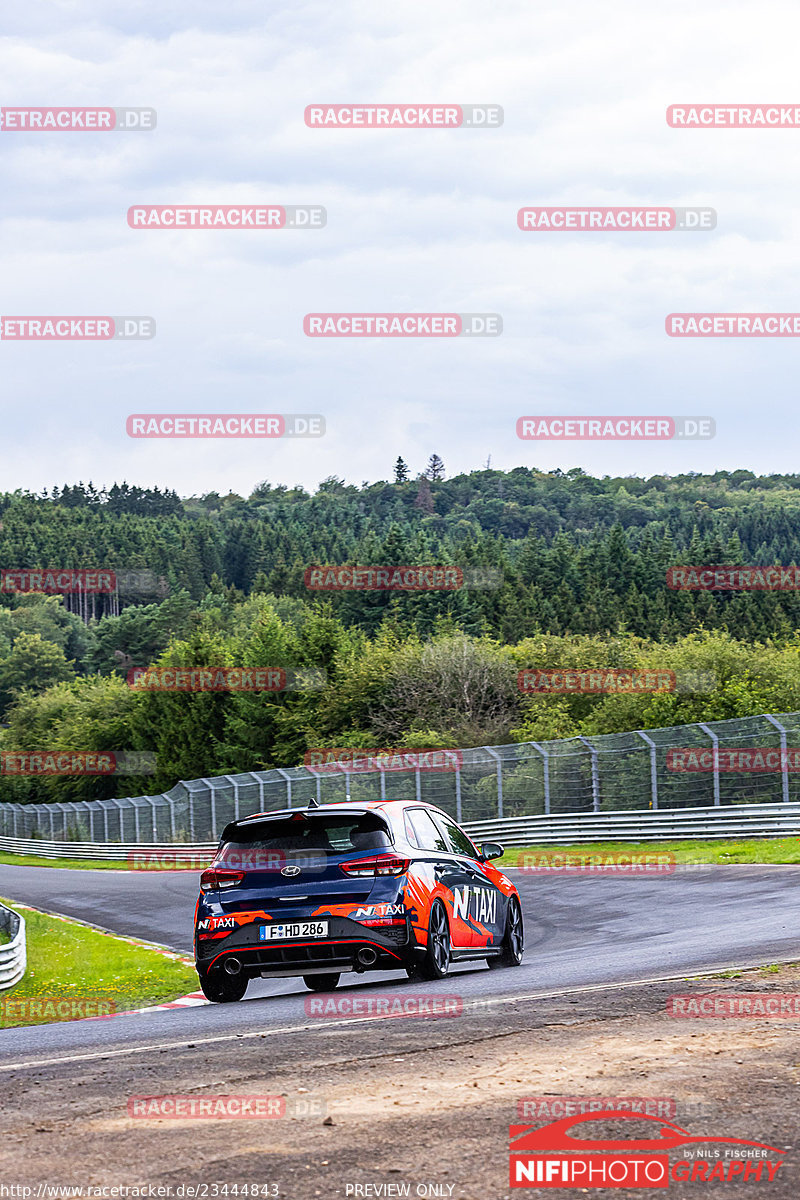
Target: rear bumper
column 393, row 946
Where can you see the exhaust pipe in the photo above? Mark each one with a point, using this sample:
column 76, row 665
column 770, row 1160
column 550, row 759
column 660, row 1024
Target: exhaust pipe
column 367, row 956
column 233, row 966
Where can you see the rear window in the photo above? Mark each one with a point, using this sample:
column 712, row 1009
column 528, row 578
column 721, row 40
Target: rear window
column 334, row 834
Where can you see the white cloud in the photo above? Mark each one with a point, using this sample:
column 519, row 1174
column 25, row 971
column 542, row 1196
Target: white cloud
column 417, row 221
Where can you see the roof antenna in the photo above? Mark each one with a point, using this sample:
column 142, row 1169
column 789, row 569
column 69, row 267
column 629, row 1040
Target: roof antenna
column 314, row 803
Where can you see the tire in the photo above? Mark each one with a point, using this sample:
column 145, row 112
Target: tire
column 513, row 944
column 222, row 988
column 321, row 983
column 436, row 962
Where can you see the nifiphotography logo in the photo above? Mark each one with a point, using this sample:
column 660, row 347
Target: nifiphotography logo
column 558, row 1155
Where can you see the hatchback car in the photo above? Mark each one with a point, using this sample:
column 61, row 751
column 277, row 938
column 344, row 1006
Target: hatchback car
column 377, row 886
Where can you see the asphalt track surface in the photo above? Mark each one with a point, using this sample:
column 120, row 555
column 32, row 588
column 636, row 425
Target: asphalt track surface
column 582, row 933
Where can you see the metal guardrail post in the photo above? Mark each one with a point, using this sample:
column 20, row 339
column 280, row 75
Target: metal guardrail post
column 499, row 761
column 458, row 793
column 260, row 783
column 63, row 811
column 119, row 810
column 455, row 757
column 235, row 787
column 784, row 756
column 418, row 785
column 546, row 774
column 210, row 787
column 151, row 801
column 383, row 784
column 288, row 779
column 715, row 743
column 595, row 775
column 653, row 769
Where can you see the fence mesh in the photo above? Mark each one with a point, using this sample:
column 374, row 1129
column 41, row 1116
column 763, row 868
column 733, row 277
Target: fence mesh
column 611, row 772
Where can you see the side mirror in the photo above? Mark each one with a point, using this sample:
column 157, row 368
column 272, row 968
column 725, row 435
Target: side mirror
column 491, row 850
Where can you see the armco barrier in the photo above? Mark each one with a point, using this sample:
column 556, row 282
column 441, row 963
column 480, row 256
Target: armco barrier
column 646, row 825
column 582, row 777
column 108, row 851
column 13, row 955
column 666, row 825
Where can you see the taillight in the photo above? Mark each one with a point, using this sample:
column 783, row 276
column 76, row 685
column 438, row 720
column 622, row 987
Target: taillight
column 381, row 864
column 217, row 879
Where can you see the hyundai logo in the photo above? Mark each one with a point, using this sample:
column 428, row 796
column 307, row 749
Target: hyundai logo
column 290, row 871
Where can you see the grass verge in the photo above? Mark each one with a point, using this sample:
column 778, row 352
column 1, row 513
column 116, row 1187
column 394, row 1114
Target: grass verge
column 74, row 864
column 749, row 850
column 69, row 961
column 756, row 850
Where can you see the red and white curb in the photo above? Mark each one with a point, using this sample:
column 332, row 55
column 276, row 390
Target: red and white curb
column 192, row 1000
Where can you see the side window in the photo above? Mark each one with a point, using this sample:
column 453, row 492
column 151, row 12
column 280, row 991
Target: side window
column 410, row 832
column 427, row 835
column 459, row 842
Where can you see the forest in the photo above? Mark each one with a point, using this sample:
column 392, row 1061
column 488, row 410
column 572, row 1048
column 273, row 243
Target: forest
column 560, row 569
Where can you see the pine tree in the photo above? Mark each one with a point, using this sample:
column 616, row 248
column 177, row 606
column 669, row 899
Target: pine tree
column 435, row 469
column 401, row 471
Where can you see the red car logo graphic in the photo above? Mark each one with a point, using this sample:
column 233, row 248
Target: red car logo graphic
column 557, row 1137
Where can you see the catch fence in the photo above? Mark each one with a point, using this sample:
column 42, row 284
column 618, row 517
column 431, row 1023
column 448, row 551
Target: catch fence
column 610, row 773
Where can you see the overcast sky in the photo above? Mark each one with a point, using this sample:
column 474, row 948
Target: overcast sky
column 418, row 221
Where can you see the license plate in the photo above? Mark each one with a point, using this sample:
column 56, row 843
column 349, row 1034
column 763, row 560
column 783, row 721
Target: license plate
column 300, row 929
